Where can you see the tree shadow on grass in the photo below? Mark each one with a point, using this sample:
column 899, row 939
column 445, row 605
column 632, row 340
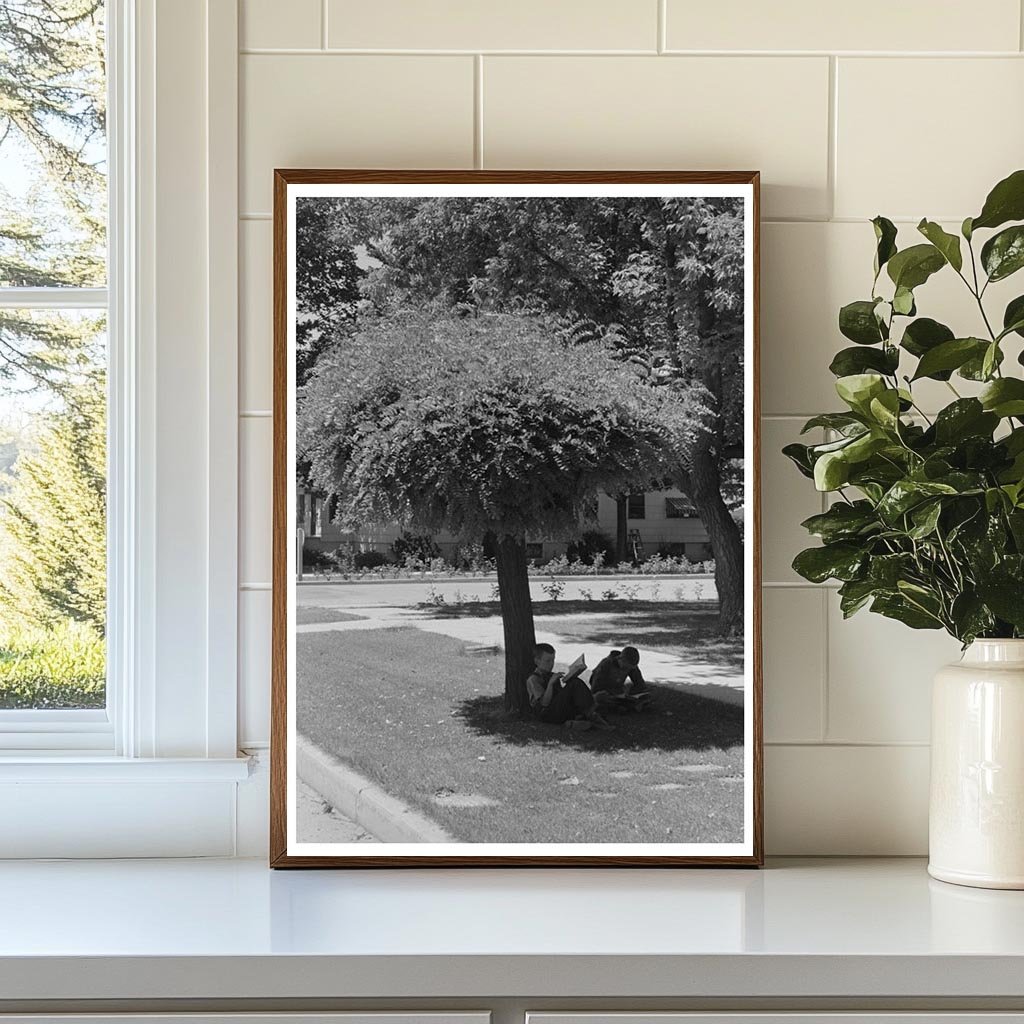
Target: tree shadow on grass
column 687, row 628
column 676, row 721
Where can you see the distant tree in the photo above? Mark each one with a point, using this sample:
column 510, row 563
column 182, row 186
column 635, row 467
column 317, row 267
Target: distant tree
column 483, row 425
column 660, row 278
column 327, row 278
column 53, row 520
column 52, row 125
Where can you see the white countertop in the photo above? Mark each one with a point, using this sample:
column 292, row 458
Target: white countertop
column 235, row 929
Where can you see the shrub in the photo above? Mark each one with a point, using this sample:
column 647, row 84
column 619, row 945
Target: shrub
column 553, row 588
column 472, row 558
column 369, row 559
column 314, row 558
column 663, row 564
column 590, row 544
column 60, row 667
column 420, row 547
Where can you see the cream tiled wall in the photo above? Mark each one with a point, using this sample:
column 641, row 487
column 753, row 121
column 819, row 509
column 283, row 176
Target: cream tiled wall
column 906, row 109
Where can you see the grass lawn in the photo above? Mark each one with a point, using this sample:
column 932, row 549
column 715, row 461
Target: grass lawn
column 424, row 719
column 307, row 614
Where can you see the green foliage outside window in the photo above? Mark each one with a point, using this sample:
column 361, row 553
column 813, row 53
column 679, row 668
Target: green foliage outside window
column 52, row 365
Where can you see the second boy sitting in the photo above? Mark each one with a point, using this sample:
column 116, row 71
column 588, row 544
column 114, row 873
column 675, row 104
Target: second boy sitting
column 618, row 683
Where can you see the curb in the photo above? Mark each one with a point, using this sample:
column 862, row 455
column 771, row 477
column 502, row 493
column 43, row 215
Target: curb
column 385, row 817
column 308, row 581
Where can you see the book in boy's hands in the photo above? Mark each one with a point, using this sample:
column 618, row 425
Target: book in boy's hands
column 574, row 669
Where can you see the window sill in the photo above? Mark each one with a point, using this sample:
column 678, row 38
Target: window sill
column 75, row 766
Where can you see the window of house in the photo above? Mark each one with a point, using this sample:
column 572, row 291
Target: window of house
column 679, row 508
column 53, row 356
column 636, row 506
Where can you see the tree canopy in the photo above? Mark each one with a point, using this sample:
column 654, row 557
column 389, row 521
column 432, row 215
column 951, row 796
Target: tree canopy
column 660, row 279
column 488, row 424
column 479, row 424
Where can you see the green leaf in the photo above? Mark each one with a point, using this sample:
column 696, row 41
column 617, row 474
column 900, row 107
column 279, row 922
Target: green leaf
column 857, row 321
column 965, row 229
column 1013, row 317
column 833, row 420
column 912, row 267
column 854, row 594
column 970, row 617
column 949, row 355
column 840, row 561
column 849, row 361
column 991, row 360
column 1005, row 202
column 842, row 521
column 1004, row 397
column 1005, row 597
column 899, row 608
column 1003, row 254
column 947, row 244
column 966, row 417
column 903, row 302
column 885, row 409
column 831, row 471
column 887, row 570
column 858, row 389
column 974, row 368
column 799, row 455
column 924, row 334
column 925, row 518
column 906, row 494
column 885, row 236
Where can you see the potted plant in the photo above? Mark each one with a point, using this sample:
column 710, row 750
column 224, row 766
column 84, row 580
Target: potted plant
column 926, row 524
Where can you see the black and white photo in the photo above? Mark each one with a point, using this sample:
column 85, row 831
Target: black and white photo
column 516, row 560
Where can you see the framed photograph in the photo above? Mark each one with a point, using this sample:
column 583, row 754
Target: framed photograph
column 516, row 537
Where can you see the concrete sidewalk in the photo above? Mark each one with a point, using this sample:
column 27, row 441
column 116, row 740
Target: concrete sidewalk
column 694, row 677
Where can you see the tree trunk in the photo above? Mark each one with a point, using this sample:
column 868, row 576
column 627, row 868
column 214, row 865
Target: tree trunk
column 703, row 484
column 702, row 480
column 516, row 619
column 621, row 530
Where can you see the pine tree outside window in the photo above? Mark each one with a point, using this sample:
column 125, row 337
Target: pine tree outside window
column 53, row 362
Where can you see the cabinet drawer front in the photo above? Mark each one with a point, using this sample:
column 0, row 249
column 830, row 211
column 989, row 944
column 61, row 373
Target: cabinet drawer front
column 358, row 1017
column 786, row 1017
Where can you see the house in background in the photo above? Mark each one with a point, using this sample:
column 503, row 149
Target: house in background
column 658, row 521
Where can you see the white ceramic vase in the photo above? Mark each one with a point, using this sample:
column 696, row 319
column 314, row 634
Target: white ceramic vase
column 976, row 815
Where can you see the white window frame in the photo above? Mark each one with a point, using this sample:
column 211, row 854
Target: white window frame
column 61, row 730
column 171, row 718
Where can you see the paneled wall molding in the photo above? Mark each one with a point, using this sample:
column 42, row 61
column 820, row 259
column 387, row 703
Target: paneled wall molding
column 795, row 89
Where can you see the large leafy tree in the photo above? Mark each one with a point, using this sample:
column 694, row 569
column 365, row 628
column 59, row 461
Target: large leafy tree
column 483, row 424
column 52, row 226
column 660, row 278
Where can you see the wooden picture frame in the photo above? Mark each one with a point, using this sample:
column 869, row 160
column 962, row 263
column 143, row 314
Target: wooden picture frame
column 287, row 849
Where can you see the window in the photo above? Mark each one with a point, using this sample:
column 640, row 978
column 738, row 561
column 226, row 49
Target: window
column 53, row 357
column 679, row 508
column 636, row 506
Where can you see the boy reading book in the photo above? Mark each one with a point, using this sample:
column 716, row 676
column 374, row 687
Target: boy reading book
column 561, row 697
column 617, row 681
